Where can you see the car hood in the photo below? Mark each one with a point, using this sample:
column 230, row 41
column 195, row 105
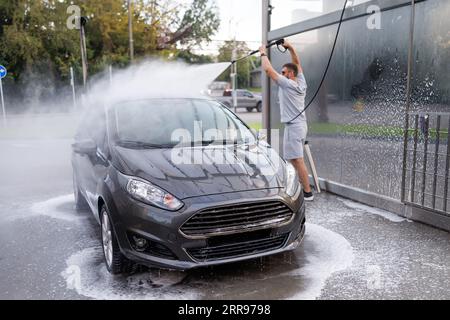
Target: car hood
column 215, row 169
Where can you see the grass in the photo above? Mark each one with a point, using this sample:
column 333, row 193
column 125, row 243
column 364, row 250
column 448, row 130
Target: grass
column 255, row 125
column 368, row 130
column 361, row 130
column 256, row 90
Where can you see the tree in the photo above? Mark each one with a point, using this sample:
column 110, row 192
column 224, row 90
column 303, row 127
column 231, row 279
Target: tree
column 34, row 32
column 36, row 45
column 244, row 67
column 192, row 58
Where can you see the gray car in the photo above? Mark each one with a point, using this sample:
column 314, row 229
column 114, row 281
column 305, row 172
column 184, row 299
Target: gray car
column 159, row 211
column 244, row 98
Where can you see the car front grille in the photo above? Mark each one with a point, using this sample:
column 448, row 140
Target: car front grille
column 237, row 218
column 240, row 248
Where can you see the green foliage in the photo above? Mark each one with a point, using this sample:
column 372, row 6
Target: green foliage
column 192, row 58
column 35, row 39
column 244, row 67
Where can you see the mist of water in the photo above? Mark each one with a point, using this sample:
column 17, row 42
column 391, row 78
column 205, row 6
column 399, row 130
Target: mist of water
column 155, row 79
column 149, row 79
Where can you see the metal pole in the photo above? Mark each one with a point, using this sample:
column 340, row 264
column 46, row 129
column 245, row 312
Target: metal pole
column 425, row 158
column 436, row 159
column 3, row 102
column 110, row 75
column 83, row 51
column 447, row 167
column 72, row 83
column 414, row 161
column 235, row 97
column 265, row 83
column 312, row 166
column 130, row 29
column 234, row 77
column 408, row 97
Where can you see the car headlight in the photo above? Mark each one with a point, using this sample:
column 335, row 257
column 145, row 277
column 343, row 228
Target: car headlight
column 148, row 193
column 292, row 183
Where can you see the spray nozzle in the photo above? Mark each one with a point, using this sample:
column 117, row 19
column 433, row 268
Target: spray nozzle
column 279, row 42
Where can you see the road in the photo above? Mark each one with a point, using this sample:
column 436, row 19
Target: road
column 250, row 117
column 351, row 251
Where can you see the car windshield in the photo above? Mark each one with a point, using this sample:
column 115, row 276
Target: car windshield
column 176, row 122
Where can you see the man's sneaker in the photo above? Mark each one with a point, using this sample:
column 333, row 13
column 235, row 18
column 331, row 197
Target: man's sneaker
column 308, row 196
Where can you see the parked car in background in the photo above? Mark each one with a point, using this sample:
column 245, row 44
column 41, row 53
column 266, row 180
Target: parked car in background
column 245, row 99
column 217, row 88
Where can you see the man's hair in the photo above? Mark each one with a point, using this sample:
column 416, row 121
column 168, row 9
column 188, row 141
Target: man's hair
column 293, row 67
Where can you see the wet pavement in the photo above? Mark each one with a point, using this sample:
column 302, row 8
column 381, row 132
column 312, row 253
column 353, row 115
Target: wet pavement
column 48, row 250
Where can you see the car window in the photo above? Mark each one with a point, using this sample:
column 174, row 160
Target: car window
column 92, row 125
column 158, row 122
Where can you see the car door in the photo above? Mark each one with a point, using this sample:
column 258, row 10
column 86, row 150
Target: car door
column 85, row 165
column 242, row 99
column 98, row 163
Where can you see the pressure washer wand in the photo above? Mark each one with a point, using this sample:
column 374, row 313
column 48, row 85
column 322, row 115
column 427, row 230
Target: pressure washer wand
column 277, row 43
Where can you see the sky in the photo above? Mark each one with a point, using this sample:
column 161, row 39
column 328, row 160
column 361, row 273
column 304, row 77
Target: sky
column 240, row 19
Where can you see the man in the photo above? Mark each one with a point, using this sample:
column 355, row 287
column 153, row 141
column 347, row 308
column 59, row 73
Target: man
column 291, row 92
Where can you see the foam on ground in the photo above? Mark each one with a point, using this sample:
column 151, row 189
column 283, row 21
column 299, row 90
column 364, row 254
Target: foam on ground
column 332, row 253
column 379, row 212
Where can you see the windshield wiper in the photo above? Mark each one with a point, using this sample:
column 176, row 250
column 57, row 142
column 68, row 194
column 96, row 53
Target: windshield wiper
column 143, row 145
column 204, row 143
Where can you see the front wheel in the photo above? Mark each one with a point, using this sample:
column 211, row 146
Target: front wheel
column 249, row 109
column 116, row 262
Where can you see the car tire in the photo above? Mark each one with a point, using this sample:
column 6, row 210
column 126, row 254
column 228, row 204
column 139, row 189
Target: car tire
column 80, row 200
column 249, row 109
column 259, row 107
column 115, row 261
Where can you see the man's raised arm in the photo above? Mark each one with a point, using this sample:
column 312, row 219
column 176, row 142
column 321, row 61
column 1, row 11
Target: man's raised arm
column 267, row 66
column 294, row 55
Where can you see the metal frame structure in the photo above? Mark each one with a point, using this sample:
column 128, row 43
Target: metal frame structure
column 420, row 166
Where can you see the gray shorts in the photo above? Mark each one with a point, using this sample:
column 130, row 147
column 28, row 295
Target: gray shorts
column 294, row 139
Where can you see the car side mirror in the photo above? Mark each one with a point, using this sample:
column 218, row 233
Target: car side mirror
column 85, row 146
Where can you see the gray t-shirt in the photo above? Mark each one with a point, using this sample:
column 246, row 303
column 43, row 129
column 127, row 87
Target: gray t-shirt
column 291, row 95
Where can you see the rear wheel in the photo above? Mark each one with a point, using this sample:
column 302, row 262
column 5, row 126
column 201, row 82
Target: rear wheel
column 259, row 107
column 80, row 200
column 115, row 261
column 249, row 109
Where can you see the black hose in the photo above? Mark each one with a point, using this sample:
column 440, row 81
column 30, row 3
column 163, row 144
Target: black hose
column 328, row 65
column 278, row 43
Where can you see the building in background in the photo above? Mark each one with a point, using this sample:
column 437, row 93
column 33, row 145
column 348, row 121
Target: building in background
column 255, row 78
column 357, row 122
